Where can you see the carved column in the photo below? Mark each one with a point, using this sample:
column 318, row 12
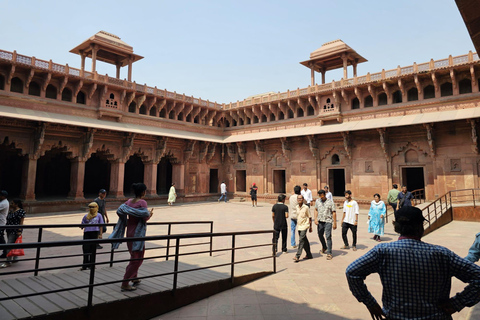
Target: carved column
column 94, row 57
column 118, row 71
column 77, row 174
column 150, row 177
column 312, row 74
column 345, row 64
column 117, row 173
column 29, row 174
column 130, row 69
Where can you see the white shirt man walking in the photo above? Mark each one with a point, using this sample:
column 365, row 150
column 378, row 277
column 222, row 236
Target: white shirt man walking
column 223, row 191
column 307, row 195
column 350, row 220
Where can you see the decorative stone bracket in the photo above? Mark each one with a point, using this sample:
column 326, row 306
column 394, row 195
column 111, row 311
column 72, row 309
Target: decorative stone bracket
column 430, row 138
column 346, row 144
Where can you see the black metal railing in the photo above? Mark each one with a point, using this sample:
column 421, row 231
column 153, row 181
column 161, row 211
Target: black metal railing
column 418, row 196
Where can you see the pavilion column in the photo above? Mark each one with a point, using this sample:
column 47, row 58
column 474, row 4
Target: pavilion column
column 323, row 75
column 312, row 74
column 118, row 70
column 117, row 174
column 354, row 64
column 178, row 177
column 150, row 177
column 130, row 69
column 29, row 174
column 345, row 64
column 94, row 57
column 82, row 64
column 77, row 177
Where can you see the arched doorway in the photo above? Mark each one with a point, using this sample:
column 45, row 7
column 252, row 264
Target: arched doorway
column 53, row 175
column 11, row 164
column 97, row 175
column 164, row 175
column 134, row 170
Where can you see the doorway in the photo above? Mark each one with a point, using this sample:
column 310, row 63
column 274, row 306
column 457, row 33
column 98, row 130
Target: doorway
column 241, row 181
column 336, row 182
column 279, row 185
column 413, row 178
column 213, row 181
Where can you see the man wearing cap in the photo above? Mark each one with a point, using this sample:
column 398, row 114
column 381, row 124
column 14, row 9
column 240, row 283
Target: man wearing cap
column 328, row 194
column 4, row 206
column 102, row 210
column 416, row 276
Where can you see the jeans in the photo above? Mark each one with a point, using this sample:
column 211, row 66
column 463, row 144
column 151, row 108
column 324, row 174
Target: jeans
column 394, row 207
column 284, row 239
column 325, row 228
column 223, row 195
column 345, row 227
column 293, row 226
column 303, row 244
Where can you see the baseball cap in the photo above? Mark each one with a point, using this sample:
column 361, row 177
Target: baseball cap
column 102, row 191
column 409, row 215
column 4, row 193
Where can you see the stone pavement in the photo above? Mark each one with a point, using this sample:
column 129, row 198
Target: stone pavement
column 312, row 289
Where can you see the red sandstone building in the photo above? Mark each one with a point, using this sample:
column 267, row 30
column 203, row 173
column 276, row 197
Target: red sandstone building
column 66, row 132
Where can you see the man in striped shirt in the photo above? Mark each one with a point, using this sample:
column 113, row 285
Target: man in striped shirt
column 416, row 276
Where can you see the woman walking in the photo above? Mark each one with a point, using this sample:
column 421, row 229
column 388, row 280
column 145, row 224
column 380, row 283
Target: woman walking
column 376, row 217
column 133, row 214
column 172, row 195
column 92, row 217
column 14, row 217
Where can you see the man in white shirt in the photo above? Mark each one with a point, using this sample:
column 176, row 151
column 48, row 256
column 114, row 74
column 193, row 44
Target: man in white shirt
column 328, row 194
column 223, row 191
column 307, row 195
column 293, row 214
column 4, row 206
column 350, row 220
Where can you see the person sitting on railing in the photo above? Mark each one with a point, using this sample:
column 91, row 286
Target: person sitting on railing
column 138, row 214
column 92, row 217
column 474, row 251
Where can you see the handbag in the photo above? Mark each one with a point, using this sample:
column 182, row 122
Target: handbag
column 16, row 252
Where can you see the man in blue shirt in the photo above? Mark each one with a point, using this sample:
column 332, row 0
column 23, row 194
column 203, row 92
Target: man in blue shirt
column 474, row 251
column 416, row 276
column 404, row 198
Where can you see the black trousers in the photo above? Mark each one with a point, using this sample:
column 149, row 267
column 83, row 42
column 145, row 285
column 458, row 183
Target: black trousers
column 88, row 249
column 345, row 227
column 284, row 239
column 2, row 239
column 394, row 207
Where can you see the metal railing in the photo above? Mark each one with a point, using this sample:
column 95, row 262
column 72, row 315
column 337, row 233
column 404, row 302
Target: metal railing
column 418, row 196
column 176, row 238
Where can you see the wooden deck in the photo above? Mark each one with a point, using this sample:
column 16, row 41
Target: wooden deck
column 56, row 304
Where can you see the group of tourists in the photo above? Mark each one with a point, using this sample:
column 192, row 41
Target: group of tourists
column 11, row 214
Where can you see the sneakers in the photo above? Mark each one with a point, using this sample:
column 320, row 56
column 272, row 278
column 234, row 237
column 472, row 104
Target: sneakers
column 128, row 288
column 5, row 265
column 136, row 282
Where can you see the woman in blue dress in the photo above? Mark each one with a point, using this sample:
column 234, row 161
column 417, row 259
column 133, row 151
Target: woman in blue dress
column 376, row 217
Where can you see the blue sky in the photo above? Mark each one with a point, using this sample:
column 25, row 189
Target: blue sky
column 225, row 51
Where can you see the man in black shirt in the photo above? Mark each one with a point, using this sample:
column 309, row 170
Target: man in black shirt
column 279, row 217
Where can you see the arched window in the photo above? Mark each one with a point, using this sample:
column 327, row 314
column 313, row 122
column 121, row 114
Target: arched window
column 153, row 111
column 2, row 82
column 234, row 123
column 81, row 97
column 335, row 159
column 355, row 103
column 446, row 89
column 143, row 109
column 328, row 100
column 16, row 85
column 465, row 86
column 163, row 113
column 241, row 122
column 51, row 92
column 429, row 92
column 227, row 124
column 272, row 116
column 196, row 119
column 180, row 116
column 67, row 95
column 310, row 111
column 132, row 107
column 264, row 118
column 247, row 120
column 290, row 114
column 412, row 94
column 368, row 101
column 281, row 116
column 34, row 89
column 171, row 116
column 299, row 112
column 382, row 99
column 112, row 96
column 397, row 97
column 255, row 119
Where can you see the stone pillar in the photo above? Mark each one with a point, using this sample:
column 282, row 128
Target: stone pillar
column 178, row 177
column 117, row 173
column 29, row 174
column 150, row 177
column 345, row 64
column 94, row 57
column 118, row 70
column 354, row 64
column 323, row 76
column 83, row 56
column 312, row 76
column 130, row 69
column 77, row 176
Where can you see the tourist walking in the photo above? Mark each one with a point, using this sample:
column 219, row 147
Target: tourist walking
column 100, row 200
column 293, row 203
column 304, row 224
column 93, row 232
column 416, row 276
column 328, row 194
column 325, row 218
column 4, row 207
column 376, row 217
column 279, row 217
column 392, row 197
column 474, row 251
column 14, row 218
column 253, row 194
column 172, row 195
column 307, row 195
column 350, row 220
column 404, row 198
column 223, row 191
column 133, row 214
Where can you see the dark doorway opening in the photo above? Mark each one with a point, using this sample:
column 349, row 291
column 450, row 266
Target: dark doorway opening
column 164, row 176
column 241, row 181
column 336, row 182
column 414, row 179
column 213, row 181
column 11, row 164
column 279, row 181
column 53, row 175
column 97, row 176
column 134, row 170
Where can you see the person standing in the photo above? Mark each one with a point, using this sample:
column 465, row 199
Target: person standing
column 172, row 195
column 404, row 198
column 325, row 219
column 94, row 232
column 328, row 194
column 293, row 202
column 4, row 207
column 474, row 251
column 392, row 197
column 416, row 276
column 14, row 218
column 376, row 217
column 307, row 195
column 279, row 217
column 100, row 200
column 304, row 224
column 223, row 191
column 350, row 220
column 253, row 194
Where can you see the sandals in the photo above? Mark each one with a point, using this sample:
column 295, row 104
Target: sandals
column 354, row 248
column 329, row 257
column 128, row 288
column 345, row 247
column 295, row 259
column 307, row 258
